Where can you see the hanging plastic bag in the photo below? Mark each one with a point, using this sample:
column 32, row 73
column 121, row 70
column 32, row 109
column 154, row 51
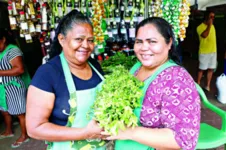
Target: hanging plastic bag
column 221, row 86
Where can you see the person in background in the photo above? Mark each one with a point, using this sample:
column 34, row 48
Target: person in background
column 12, row 88
column 207, row 48
column 170, row 114
column 57, row 109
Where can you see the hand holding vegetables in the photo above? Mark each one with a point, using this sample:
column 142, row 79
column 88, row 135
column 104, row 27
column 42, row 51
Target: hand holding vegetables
column 119, row 96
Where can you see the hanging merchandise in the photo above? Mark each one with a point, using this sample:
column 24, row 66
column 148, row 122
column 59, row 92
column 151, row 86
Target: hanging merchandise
column 184, row 17
column 114, row 21
column 171, row 13
column 155, row 8
column 176, row 12
column 100, row 25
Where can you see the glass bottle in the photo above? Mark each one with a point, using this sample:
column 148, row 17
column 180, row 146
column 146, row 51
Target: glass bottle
column 135, row 18
column 137, row 5
column 32, row 10
column 38, row 11
column 28, row 38
column 111, row 17
column 115, row 44
column 132, row 32
column 10, row 3
column 23, row 23
column 60, row 8
column 117, row 16
column 38, row 26
column 10, row 10
column 122, row 8
column 140, row 16
column 12, row 19
column 123, row 32
column 27, row 11
column 127, row 16
column 13, row 22
column 47, row 44
column 109, row 30
column 83, row 7
column 68, row 7
column 18, row 4
column 76, row 5
column 56, row 20
column 44, row 17
column 24, row 32
column 31, row 28
column 90, row 6
column 15, row 13
column 115, row 30
column 130, row 5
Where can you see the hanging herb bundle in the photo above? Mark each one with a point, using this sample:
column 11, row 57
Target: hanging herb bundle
column 119, row 96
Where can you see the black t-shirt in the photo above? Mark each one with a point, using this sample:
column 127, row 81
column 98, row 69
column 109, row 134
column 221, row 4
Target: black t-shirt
column 50, row 78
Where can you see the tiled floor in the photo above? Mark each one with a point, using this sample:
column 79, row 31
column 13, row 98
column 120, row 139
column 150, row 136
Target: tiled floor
column 206, row 115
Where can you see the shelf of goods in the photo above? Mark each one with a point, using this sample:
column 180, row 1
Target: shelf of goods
column 114, row 21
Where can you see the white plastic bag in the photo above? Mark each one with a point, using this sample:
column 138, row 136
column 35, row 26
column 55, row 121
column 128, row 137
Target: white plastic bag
column 221, row 86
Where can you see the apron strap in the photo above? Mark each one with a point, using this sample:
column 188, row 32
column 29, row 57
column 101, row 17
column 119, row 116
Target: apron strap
column 98, row 73
column 71, row 88
column 167, row 64
column 67, row 73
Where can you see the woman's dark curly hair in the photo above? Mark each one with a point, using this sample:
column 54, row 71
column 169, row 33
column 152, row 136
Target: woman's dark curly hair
column 165, row 29
column 65, row 25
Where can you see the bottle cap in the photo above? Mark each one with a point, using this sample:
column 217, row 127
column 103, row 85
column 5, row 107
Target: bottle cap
column 10, row 8
column 21, row 12
column 9, row 2
column 99, row 57
column 41, row 39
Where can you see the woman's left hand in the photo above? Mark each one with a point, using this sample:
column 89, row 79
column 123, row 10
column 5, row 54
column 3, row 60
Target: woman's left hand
column 122, row 134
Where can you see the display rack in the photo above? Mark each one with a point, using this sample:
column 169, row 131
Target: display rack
column 114, row 21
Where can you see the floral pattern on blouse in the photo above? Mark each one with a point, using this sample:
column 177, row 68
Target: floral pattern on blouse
column 172, row 101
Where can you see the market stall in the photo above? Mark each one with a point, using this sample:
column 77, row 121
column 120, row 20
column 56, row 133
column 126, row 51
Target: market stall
column 114, row 20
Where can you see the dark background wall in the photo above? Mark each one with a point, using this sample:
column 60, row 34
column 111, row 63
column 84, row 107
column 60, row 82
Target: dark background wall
column 32, row 51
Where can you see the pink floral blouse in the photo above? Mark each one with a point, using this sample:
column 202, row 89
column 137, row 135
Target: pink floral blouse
column 172, row 101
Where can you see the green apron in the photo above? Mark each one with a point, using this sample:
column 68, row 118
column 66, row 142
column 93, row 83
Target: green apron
column 25, row 77
column 133, row 145
column 80, row 104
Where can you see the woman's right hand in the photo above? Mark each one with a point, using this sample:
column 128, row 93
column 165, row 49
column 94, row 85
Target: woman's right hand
column 93, row 130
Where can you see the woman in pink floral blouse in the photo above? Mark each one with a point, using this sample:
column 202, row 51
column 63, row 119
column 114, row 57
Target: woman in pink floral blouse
column 170, row 114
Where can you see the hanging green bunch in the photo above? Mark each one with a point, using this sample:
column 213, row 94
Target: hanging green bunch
column 114, row 104
column 171, row 13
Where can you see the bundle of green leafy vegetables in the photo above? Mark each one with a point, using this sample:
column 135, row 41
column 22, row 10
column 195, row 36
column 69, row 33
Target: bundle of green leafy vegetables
column 115, row 102
column 118, row 59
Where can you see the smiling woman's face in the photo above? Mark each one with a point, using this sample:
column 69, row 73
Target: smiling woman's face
column 150, row 46
column 78, row 44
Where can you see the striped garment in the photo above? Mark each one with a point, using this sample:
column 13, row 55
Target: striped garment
column 15, row 97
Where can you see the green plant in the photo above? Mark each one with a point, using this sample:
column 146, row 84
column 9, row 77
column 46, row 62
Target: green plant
column 115, row 102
